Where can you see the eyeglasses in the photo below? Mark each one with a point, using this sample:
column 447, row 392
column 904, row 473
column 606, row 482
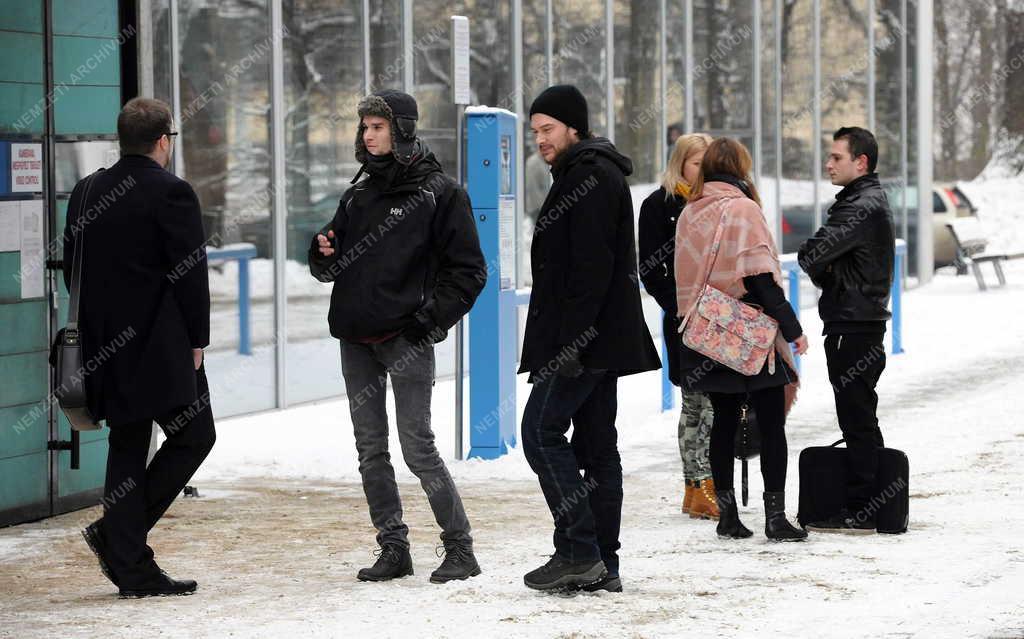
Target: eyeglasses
column 168, row 134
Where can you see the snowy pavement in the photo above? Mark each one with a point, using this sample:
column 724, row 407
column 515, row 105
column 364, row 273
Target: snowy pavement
column 281, row 528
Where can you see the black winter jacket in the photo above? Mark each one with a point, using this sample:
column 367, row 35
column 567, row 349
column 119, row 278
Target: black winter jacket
column 657, row 239
column 586, row 292
column 851, row 259
column 406, row 251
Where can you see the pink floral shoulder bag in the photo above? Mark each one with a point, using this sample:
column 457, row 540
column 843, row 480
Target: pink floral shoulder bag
column 728, row 331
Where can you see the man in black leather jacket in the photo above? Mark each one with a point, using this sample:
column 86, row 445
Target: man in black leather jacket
column 851, row 259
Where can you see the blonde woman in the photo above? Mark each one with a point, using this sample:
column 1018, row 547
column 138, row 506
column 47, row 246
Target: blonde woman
column 657, row 233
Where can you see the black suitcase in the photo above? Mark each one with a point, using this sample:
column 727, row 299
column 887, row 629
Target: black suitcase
column 823, row 472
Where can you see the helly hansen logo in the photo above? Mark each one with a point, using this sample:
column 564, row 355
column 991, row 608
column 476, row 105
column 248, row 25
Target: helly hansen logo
column 397, row 212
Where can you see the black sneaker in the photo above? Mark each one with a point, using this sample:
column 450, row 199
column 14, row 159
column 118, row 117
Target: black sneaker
column 563, row 573
column 93, row 535
column 844, row 522
column 158, row 584
column 459, row 562
column 393, row 561
column 610, row 583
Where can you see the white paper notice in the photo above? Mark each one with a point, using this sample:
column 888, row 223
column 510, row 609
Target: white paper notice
column 26, row 168
column 10, row 226
column 507, row 242
column 33, row 257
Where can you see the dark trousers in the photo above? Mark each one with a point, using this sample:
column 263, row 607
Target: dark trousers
column 135, row 496
column 770, row 406
column 587, row 509
column 366, row 368
column 855, row 363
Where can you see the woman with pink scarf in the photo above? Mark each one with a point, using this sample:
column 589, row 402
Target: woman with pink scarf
column 746, row 268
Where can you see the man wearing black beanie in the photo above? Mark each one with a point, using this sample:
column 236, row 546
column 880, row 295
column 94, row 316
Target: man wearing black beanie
column 585, row 329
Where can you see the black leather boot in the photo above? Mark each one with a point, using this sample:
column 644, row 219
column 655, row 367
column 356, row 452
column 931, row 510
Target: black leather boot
column 459, row 562
column 393, row 561
column 776, row 526
column 729, row 524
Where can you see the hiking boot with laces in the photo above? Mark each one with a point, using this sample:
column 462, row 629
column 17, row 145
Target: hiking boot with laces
column 459, row 562
column 393, row 561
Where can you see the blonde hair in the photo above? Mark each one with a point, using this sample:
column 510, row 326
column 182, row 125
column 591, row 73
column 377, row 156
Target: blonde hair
column 726, row 156
column 684, row 148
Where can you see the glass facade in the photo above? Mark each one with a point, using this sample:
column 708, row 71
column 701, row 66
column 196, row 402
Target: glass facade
column 780, row 75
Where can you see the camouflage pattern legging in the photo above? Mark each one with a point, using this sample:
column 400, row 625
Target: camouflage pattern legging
column 695, row 435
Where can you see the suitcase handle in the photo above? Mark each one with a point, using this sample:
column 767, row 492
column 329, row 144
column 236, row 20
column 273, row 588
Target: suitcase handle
column 841, row 441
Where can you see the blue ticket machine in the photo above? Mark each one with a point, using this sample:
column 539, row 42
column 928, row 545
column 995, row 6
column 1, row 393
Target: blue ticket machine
column 491, row 148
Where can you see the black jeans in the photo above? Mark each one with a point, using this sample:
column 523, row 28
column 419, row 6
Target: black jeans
column 366, row 368
column 136, row 497
column 855, row 363
column 587, row 510
column 770, row 406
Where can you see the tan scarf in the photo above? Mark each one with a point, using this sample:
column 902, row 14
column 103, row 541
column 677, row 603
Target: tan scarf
column 747, row 248
column 683, row 190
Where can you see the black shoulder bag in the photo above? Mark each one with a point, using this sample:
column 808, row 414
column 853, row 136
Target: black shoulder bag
column 70, row 390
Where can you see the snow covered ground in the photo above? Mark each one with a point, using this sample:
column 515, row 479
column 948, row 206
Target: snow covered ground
column 281, row 529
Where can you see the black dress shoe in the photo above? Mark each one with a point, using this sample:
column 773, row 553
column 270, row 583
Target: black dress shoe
column 157, row 585
column 393, row 561
column 93, row 535
column 563, row 573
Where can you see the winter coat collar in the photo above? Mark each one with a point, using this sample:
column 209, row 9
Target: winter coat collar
column 859, row 185
column 588, row 149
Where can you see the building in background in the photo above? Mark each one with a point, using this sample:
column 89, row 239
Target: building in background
column 781, row 75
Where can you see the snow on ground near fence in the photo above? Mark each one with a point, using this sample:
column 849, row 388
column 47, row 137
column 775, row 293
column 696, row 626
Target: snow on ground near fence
column 282, row 526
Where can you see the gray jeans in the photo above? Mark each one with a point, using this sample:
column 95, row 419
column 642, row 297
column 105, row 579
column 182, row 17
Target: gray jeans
column 366, row 368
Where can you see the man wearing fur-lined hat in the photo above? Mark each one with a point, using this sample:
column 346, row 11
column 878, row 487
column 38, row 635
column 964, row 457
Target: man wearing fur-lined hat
column 403, row 254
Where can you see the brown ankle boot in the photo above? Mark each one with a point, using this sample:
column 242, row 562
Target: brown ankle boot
column 688, row 496
column 704, row 504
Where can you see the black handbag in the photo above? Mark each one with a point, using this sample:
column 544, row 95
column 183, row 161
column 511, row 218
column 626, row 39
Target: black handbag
column 70, row 390
column 748, row 443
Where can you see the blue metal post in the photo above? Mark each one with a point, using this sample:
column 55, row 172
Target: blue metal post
column 244, row 341
column 242, row 254
column 897, row 300
column 491, row 145
column 668, row 394
column 794, row 298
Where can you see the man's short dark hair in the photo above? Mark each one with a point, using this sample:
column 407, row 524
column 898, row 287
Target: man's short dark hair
column 861, row 142
column 141, row 123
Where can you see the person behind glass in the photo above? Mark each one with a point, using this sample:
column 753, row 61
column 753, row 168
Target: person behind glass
column 746, row 268
column 403, row 254
column 657, row 232
column 851, row 259
column 144, row 282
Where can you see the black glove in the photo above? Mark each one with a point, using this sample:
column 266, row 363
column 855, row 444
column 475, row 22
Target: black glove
column 420, row 330
column 570, row 366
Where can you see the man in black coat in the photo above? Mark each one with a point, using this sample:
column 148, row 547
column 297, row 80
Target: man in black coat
column 405, row 260
column 585, row 329
column 145, row 319
column 851, row 259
